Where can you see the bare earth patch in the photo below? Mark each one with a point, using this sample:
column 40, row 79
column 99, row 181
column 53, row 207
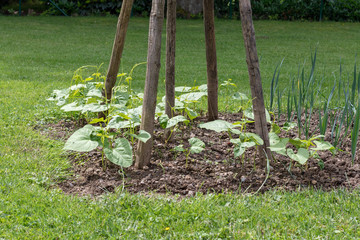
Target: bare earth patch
column 213, row 170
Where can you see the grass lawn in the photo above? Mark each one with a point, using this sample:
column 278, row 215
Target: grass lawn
column 39, row 54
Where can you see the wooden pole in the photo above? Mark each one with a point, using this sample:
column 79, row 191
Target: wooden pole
column 143, row 153
column 118, row 47
column 254, row 76
column 212, row 78
column 170, row 61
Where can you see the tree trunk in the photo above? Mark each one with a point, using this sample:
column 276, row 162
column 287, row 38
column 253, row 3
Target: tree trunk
column 212, row 81
column 170, row 61
column 143, row 154
column 254, row 76
column 118, row 47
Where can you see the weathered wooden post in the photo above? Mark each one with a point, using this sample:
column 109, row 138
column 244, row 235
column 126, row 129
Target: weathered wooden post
column 118, row 47
column 170, row 61
column 254, row 76
column 143, row 153
column 212, row 78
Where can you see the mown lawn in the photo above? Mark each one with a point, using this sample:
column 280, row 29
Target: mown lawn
column 39, row 54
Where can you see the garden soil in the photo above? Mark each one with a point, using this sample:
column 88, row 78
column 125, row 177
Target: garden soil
column 215, row 170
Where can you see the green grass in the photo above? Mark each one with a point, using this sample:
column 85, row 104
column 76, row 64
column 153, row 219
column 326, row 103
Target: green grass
column 39, row 54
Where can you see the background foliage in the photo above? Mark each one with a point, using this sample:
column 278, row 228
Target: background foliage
column 334, row 10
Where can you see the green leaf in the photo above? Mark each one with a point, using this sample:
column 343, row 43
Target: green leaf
column 163, row 119
column 77, row 86
column 322, row 146
column 121, row 97
column 240, row 147
column 256, row 138
column 280, row 147
column 175, row 120
column 203, row 88
column 143, row 136
column 197, row 145
column 288, row 126
column 238, row 150
column 240, row 96
column 275, row 128
column 217, row 125
column 273, row 138
column 297, row 143
column 81, row 140
column 191, row 113
column 192, row 97
column 122, row 153
column 179, row 148
column 95, row 107
column 72, row 107
column 235, row 131
column 301, row 156
column 60, row 96
column 183, row 89
column 94, row 92
column 250, row 114
column 97, row 120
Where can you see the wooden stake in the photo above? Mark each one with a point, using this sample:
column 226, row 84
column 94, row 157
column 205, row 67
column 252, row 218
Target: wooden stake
column 212, row 82
column 118, row 47
column 170, row 61
column 143, row 154
column 254, row 77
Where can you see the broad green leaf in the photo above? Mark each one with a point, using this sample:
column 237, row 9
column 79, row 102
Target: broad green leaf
column 192, row 97
column 77, row 86
column 143, row 136
column 217, row 125
column 240, row 96
column 95, row 107
column 122, row 153
column 94, row 92
column 179, row 148
column 297, row 143
column 301, row 156
column 81, row 140
column 97, row 120
column 240, row 147
column 235, row 131
column 238, row 150
column 135, row 111
column 248, row 144
column 322, row 146
column 203, row 88
column 183, row 89
column 196, row 142
column 175, row 120
column 280, row 147
column 119, row 122
column 273, row 138
column 288, row 126
column 72, row 107
column 275, row 128
column 60, row 96
column 121, row 97
column 178, row 104
column 250, row 114
column 257, row 139
column 163, row 119
column 235, row 141
column 191, row 113
column 196, row 145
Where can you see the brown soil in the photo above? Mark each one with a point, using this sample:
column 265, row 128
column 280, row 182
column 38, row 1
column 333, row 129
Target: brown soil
column 213, row 170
